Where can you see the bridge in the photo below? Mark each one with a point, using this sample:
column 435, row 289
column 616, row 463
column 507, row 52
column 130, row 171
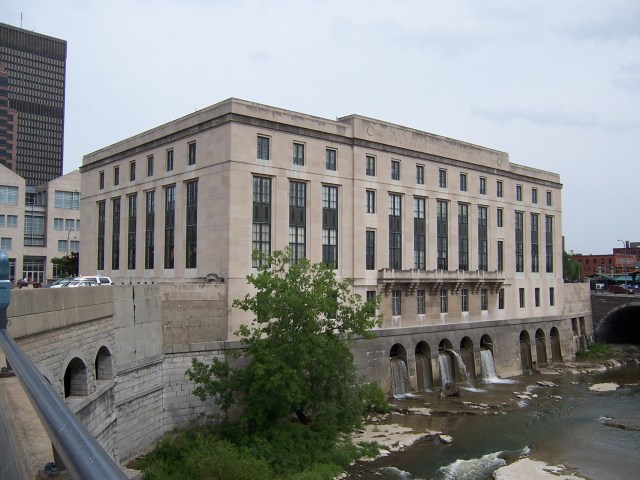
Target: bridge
column 616, row 317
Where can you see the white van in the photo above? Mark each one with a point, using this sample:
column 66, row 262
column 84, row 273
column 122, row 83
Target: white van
column 97, row 279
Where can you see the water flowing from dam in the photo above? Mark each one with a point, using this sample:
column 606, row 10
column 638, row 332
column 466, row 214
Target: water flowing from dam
column 400, row 384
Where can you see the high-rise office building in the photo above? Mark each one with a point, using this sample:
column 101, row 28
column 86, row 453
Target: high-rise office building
column 8, row 121
column 35, row 68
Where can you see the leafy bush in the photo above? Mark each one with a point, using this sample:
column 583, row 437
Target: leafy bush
column 596, row 351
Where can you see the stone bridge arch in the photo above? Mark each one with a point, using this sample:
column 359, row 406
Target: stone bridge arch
column 620, row 324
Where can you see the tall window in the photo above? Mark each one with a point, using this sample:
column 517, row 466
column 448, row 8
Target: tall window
column 150, row 166
column 549, row 202
column 519, row 193
column 484, row 299
column 115, row 234
column 131, row 231
column 535, row 253
column 370, row 166
column 132, row 171
column 396, row 302
column 500, row 253
column 370, row 250
column 519, row 231
column 101, row 233
column 548, row 227
column 395, row 231
column 101, row 180
column 298, row 154
column 420, row 174
column 395, row 170
column 499, row 189
column 263, row 148
column 331, row 159
column 536, row 296
column 463, row 182
column 419, row 233
column 521, row 297
column 297, row 220
column 501, row 299
column 330, row 225
column 192, row 224
column 169, row 225
column 443, row 235
column 149, row 224
column 483, row 243
column 464, row 299
column 261, row 233
column 552, row 296
column 420, row 302
column 33, row 229
column 442, row 178
column 499, row 217
column 483, row 186
column 192, row 153
column 534, row 195
column 444, row 300
column 371, row 201
column 463, row 236
column 116, row 175
column 169, row 160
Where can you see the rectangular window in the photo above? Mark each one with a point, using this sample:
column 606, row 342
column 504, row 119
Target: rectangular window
column 74, row 246
column 420, row 174
column 371, row 166
column 483, row 186
column 463, row 236
column 298, row 154
column 34, row 230
column 464, row 299
column 263, row 148
column 548, row 226
column 442, row 178
column 444, row 301
column 115, row 233
column 9, row 195
column 261, row 233
column 150, row 166
column 500, row 254
column 463, row 182
column 499, row 189
column 443, row 235
column 169, row 160
column 535, row 254
column 297, row 220
column 519, row 193
column 5, row 244
column 132, row 171
column 149, row 227
column 101, row 180
column 2, row 220
column 12, row 221
column 69, row 224
column 169, row 226
column 395, row 170
column 67, row 200
column 371, row 295
column 519, row 233
column 116, row 175
column 58, row 224
column 396, row 302
column 499, row 217
column 370, row 250
column 192, row 224
column 101, row 234
column 191, row 147
column 330, row 225
column 419, row 233
column 552, row 296
column 420, row 302
column 483, row 239
column 331, row 159
column 371, row 201
column 521, row 297
column 395, row 231
column 62, row 246
column 549, row 202
column 534, row 195
column 484, row 299
column 131, row 231
column 536, row 294
column 501, row 299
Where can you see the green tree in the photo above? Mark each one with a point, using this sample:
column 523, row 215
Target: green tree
column 571, row 269
column 297, row 355
column 67, row 265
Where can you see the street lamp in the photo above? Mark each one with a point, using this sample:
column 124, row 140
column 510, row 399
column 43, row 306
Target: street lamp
column 68, row 235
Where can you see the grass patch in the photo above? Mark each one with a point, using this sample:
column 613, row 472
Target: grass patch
column 596, row 351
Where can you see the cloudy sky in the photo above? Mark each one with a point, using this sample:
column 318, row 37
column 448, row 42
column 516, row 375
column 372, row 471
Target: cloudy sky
column 554, row 83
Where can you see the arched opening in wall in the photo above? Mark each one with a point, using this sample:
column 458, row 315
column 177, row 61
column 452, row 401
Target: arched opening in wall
column 103, row 364
column 400, row 383
column 620, row 325
column 486, row 358
column 446, row 363
column 525, row 352
column 541, row 348
column 423, row 367
column 75, row 379
column 468, row 361
column 556, row 351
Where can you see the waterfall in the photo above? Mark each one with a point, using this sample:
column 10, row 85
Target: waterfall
column 446, row 369
column 423, row 367
column 463, row 370
column 400, row 384
column 489, row 368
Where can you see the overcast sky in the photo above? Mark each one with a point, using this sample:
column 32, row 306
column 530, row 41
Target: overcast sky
column 555, row 84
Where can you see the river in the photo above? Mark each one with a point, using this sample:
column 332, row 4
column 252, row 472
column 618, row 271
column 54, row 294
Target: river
column 566, row 424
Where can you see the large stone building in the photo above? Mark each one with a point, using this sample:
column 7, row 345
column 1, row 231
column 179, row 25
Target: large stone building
column 452, row 236
column 38, row 223
column 35, row 67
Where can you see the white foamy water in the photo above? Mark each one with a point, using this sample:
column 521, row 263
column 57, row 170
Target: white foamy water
column 472, row 469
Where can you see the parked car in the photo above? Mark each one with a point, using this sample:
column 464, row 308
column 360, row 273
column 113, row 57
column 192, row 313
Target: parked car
column 60, row 282
column 80, row 283
column 97, row 279
column 620, row 289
